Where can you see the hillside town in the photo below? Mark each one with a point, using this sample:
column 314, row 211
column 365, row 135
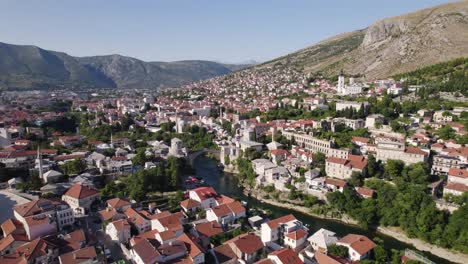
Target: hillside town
column 110, row 178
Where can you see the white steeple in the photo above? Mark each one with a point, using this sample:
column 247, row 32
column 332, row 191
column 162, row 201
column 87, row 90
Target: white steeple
column 341, row 83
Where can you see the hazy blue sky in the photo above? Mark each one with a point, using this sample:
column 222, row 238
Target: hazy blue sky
column 221, row 30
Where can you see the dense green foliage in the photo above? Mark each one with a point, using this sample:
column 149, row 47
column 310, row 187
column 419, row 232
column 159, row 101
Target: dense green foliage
column 450, row 76
column 405, row 204
column 73, row 167
column 164, row 177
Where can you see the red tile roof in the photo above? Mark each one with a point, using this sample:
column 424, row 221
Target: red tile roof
column 117, row 203
column 298, row 234
column 335, row 182
column 367, row 192
column 461, row 173
column 361, row 244
column 287, row 255
column 79, row 191
column 457, row 187
column 193, row 248
column 12, row 226
column 205, row 192
column 209, row 229
column 79, row 256
column 273, row 224
column 247, row 243
column 189, row 204
column 221, row 210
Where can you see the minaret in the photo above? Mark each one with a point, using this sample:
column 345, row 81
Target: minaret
column 39, row 159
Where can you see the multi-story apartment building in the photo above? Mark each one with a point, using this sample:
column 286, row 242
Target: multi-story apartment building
column 315, row 145
column 80, row 197
column 43, row 216
column 441, row 164
column 396, row 150
column 344, row 168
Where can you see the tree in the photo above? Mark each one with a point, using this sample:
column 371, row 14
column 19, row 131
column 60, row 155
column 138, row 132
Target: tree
column 373, row 167
column 393, row 169
column 338, row 251
column 73, row 167
column 357, row 179
column 140, row 157
column 446, row 132
column 380, row 254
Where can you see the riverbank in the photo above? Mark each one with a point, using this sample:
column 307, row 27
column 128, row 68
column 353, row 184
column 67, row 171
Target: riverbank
column 444, row 253
column 393, row 232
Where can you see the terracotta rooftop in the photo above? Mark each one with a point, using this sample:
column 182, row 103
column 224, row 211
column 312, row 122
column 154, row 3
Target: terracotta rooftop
column 189, row 204
column 298, row 234
column 287, row 255
column 79, row 191
column 117, row 203
column 361, row 244
column 81, row 255
column 247, row 243
column 335, row 182
column 273, row 224
column 205, row 192
column 209, row 229
column 461, row 173
column 193, row 248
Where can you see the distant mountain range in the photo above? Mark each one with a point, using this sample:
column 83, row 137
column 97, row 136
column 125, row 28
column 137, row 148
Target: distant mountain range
column 33, row 67
column 389, row 46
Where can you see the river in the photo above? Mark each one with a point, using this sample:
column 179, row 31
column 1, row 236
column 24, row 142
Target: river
column 227, row 184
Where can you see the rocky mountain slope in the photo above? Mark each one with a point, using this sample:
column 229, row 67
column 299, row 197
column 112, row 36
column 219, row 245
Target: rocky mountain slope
column 33, row 67
column 391, row 45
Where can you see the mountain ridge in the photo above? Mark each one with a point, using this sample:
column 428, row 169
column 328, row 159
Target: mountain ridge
column 390, row 45
column 29, row 66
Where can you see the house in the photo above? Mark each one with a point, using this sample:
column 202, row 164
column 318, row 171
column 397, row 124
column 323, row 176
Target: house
column 195, row 254
column 365, row 193
column 241, row 249
column 272, row 230
column 206, row 196
column 335, row 185
column 296, row 239
column 190, row 205
column 359, row 247
column 119, row 231
column 140, row 222
column 260, row 166
column 206, row 230
column 457, row 182
column 278, row 155
column 166, row 221
column 118, row 204
column 38, row 250
column 226, row 213
column 322, row 239
column 82, row 255
column 246, row 247
column 43, row 216
column 284, row 256
column 324, row 258
column 344, row 168
column 396, row 150
column 10, row 242
column 80, row 198
column 150, row 251
column 51, row 176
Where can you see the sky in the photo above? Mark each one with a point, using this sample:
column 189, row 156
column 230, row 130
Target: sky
column 220, row 30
